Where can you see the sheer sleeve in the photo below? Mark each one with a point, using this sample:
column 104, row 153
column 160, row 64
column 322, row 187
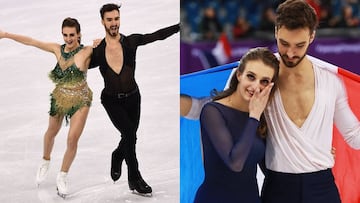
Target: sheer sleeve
column 233, row 152
column 345, row 120
column 142, row 39
column 97, row 55
column 196, row 105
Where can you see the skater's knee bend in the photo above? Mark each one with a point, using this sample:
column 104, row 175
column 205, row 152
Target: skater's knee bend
column 72, row 143
column 53, row 129
column 51, row 132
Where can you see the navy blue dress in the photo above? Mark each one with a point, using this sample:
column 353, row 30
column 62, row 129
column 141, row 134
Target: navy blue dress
column 231, row 150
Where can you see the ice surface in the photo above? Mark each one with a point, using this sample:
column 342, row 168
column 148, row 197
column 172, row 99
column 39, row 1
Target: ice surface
column 24, row 103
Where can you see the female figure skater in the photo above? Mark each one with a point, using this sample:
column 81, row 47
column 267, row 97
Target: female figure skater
column 71, row 98
column 233, row 131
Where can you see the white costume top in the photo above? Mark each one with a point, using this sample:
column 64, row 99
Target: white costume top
column 293, row 149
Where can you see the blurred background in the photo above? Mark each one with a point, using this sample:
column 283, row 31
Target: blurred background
column 241, row 25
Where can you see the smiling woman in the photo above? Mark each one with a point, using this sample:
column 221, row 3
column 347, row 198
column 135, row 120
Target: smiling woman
column 233, row 131
column 71, row 97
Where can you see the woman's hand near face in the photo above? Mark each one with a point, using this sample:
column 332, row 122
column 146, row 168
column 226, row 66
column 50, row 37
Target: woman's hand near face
column 259, row 101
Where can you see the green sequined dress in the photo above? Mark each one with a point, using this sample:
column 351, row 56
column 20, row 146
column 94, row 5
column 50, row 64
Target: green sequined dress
column 72, row 91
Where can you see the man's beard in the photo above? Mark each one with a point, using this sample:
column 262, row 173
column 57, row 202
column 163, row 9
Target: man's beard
column 112, row 32
column 289, row 64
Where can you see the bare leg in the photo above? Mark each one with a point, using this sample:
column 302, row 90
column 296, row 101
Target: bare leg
column 77, row 123
column 49, row 137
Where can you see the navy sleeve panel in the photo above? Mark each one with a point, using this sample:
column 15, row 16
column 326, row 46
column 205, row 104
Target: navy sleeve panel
column 234, row 153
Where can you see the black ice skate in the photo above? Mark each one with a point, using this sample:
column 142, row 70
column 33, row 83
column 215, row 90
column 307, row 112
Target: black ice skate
column 140, row 187
column 116, row 162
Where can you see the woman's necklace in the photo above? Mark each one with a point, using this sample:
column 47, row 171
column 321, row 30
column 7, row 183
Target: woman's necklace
column 67, row 55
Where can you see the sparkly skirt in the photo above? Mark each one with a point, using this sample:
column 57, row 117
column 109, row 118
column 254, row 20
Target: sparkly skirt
column 67, row 99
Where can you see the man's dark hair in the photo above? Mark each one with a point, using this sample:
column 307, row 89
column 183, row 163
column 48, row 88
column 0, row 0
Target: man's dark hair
column 294, row 14
column 107, row 8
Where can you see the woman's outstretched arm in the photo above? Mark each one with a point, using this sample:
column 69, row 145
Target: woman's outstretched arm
column 46, row 46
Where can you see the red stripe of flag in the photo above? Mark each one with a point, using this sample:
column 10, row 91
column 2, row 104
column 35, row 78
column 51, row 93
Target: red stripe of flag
column 222, row 50
column 347, row 160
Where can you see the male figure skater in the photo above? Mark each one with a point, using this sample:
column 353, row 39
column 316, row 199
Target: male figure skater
column 115, row 56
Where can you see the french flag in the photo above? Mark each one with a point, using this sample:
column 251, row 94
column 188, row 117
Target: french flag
column 347, row 160
column 222, row 50
column 219, row 55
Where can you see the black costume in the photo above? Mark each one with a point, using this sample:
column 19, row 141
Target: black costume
column 121, row 99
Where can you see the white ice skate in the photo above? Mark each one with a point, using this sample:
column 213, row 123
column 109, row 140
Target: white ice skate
column 61, row 184
column 42, row 171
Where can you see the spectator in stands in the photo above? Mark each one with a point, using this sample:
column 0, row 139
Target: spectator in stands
column 326, row 15
column 210, row 27
column 267, row 19
column 207, row 25
column 348, row 19
column 241, row 28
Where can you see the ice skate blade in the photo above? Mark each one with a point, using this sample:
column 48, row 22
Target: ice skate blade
column 141, row 194
column 61, row 194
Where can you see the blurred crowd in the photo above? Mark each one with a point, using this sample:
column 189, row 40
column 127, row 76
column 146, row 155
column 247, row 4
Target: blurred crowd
column 205, row 20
